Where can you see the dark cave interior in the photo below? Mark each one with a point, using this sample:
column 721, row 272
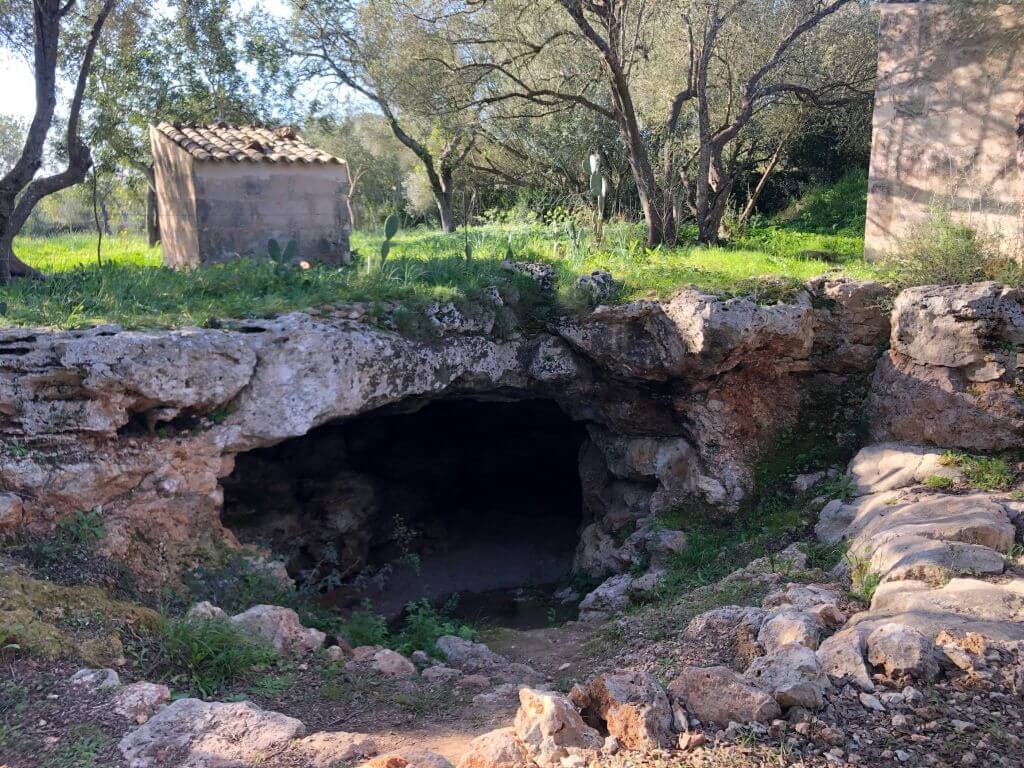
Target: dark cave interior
column 461, row 496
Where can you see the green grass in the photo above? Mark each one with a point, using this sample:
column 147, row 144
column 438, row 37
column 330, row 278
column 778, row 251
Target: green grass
column 938, row 482
column 205, row 656
column 133, row 289
column 987, row 473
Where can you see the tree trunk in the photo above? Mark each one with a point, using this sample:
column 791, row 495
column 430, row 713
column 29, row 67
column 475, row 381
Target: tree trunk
column 443, row 198
column 748, row 211
column 442, row 188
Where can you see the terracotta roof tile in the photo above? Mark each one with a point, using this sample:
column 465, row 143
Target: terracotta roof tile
column 244, row 144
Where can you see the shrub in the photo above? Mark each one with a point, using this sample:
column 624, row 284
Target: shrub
column 237, row 583
column 364, row 627
column 423, row 625
column 941, row 251
column 207, row 655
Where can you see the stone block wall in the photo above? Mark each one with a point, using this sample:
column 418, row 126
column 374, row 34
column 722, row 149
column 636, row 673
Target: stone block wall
column 240, row 207
column 946, row 122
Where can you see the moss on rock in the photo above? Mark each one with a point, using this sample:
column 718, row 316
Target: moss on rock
column 52, row 620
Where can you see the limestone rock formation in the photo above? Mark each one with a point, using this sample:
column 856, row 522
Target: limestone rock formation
column 677, row 396
column 719, row 695
column 792, row 674
column 949, row 376
column 196, row 734
column 902, row 650
column 139, row 701
column 500, row 748
column 279, row 627
column 631, row 705
column 549, row 728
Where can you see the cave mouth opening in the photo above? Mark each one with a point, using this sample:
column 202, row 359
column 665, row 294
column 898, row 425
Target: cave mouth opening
column 473, row 499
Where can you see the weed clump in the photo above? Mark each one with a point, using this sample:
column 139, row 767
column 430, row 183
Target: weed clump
column 986, row 473
column 942, row 251
column 207, row 655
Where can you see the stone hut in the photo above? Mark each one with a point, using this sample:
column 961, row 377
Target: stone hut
column 226, row 191
column 947, row 121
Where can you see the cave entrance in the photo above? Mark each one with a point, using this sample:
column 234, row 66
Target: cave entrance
column 473, row 498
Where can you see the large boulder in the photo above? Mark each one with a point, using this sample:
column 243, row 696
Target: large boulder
column 190, row 733
column 279, row 627
column 889, row 466
column 719, row 695
column 550, row 728
column 842, row 658
column 789, row 625
column 902, row 650
column 139, row 701
column 949, row 377
column 631, row 705
column 610, row 598
column 793, row 675
column 478, row 659
column 496, row 749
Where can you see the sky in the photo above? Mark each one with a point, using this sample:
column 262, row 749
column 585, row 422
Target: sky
column 18, row 90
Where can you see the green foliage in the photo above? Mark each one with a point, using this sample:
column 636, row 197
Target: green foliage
column 236, row 583
column 364, row 627
column 81, row 749
column 987, row 473
column 273, row 685
column 423, row 625
column 825, row 435
column 390, row 230
column 938, row 482
column 823, row 556
column 837, row 208
column 942, row 251
column 287, row 256
column 865, row 587
column 207, row 655
column 81, row 529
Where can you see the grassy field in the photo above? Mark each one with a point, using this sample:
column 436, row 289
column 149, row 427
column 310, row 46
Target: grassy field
column 133, row 289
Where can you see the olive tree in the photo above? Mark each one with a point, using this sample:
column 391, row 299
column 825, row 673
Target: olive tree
column 683, row 81
column 379, row 50
column 60, row 37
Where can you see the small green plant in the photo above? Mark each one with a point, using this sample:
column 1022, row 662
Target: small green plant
column 273, row 685
column 938, row 482
column 287, row 256
column 81, row 529
column 390, row 230
column 16, row 449
column 80, row 750
column 424, row 624
column 864, row 581
column 207, row 655
column 9, row 733
column 364, row 627
column 824, row 556
column 987, row 473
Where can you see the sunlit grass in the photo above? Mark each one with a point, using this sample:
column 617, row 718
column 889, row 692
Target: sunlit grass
column 132, row 287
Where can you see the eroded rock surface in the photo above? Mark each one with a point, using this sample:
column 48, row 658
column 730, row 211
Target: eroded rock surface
column 677, row 397
column 949, row 376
